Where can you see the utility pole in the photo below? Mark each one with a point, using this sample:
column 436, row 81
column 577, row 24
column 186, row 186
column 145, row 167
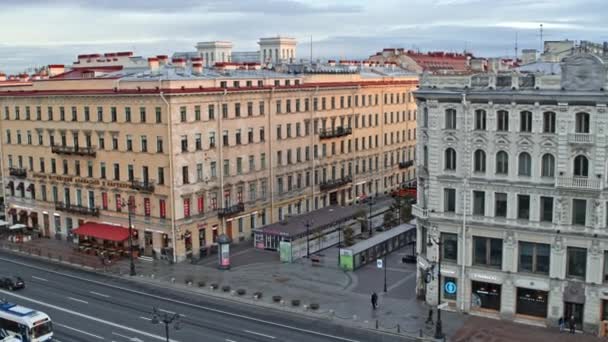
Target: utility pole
column 385, row 266
column 308, row 239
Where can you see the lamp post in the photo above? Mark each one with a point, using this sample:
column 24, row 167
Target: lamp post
column 371, row 230
column 307, row 239
column 339, row 243
column 385, row 266
column 438, row 329
column 129, row 206
column 167, row 319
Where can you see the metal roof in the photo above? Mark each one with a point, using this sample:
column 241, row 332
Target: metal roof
column 379, row 238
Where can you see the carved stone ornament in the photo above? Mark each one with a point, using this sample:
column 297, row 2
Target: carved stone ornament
column 595, row 247
column 558, row 244
column 510, row 238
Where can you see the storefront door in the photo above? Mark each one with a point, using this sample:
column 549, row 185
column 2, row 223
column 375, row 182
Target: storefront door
column 532, row 302
column 148, row 250
column 576, row 310
column 229, row 229
column 333, row 198
column 485, row 295
column 45, row 222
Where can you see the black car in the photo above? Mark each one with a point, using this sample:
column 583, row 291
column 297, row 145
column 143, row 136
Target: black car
column 12, row 283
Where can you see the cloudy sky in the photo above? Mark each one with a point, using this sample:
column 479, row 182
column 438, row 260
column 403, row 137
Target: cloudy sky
column 39, row 32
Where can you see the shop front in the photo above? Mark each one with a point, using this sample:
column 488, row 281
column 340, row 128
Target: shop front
column 532, row 302
column 485, row 295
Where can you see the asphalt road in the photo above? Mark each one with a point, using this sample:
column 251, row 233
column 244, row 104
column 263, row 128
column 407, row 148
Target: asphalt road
column 86, row 306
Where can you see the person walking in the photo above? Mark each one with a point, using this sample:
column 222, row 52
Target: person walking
column 561, row 324
column 572, row 324
column 374, row 300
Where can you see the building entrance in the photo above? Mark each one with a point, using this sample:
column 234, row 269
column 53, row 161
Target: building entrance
column 576, row 310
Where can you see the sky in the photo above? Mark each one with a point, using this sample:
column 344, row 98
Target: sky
column 40, row 32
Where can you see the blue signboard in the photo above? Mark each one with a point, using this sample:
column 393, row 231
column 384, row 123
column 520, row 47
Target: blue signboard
column 450, row 287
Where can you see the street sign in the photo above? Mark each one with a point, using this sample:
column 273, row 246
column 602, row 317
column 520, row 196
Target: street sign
column 450, row 287
column 379, row 263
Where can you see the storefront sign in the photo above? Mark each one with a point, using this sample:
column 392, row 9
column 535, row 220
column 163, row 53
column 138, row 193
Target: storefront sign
column 450, row 287
column 83, row 181
column 487, row 277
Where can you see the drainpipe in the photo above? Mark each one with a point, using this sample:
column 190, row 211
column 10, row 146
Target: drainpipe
column 313, row 113
column 172, row 184
column 464, row 205
column 270, row 155
column 220, row 135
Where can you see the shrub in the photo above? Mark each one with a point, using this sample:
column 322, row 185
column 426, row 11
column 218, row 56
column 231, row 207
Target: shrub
column 276, row 299
column 226, row 288
column 314, row 306
column 295, row 302
column 241, row 292
column 201, row 284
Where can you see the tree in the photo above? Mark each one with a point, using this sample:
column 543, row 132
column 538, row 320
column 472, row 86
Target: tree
column 403, row 207
column 361, row 216
column 349, row 238
column 389, row 218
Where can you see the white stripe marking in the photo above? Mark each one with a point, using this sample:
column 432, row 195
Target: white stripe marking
column 231, row 314
column 78, row 300
column 229, row 340
column 75, row 313
column 99, row 294
column 146, row 318
column 78, row 330
column 259, row 334
column 38, row 278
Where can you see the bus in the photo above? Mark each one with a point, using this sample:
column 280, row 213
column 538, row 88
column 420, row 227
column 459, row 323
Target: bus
column 28, row 324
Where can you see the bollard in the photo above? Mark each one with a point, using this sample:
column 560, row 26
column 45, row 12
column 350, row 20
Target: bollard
column 354, row 317
column 398, row 329
column 173, row 279
column 377, row 324
column 420, row 333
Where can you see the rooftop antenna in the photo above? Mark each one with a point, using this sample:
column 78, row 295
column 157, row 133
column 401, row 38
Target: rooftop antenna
column 541, row 38
column 516, row 50
column 311, row 49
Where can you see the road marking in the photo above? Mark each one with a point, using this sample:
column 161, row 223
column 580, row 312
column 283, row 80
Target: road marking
column 75, row 313
column 99, row 294
column 144, row 294
column 78, row 330
column 146, row 318
column 259, row 334
column 78, row 300
column 38, row 278
column 132, row 339
column 229, row 340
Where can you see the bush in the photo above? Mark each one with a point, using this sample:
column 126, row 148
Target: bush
column 214, row 286
column 314, row 306
column 226, row 288
column 295, row 302
column 201, row 284
column 276, row 299
column 257, row 294
column 241, row 292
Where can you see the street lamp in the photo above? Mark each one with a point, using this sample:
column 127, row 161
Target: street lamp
column 339, row 243
column 385, row 266
column 438, row 330
column 166, row 318
column 308, row 239
column 371, row 230
column 129, row 204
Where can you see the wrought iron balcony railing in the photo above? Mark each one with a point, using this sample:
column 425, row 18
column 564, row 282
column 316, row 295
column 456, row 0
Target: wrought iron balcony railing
column 335, row 133
column 17, row 172
column 74, row 150
column 76, row 209
column 231, row 210
column 335, row 183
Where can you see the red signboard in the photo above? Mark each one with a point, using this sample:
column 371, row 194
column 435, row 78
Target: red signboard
column 104, row 200
column 162, row 208
column 201, row 204
column 118, row 203
column 186, row 207
column 147, row 206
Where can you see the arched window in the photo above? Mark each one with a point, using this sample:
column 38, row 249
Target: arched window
column 582, row 123
column 450, row 159
column 525, row 164
column 581, row 166
column 525, row 121
column 502, row 121
column 502, row 163
column 480, row 161
column 548, row 166
column 480, row 120
column 548, row 122
column 450, row 118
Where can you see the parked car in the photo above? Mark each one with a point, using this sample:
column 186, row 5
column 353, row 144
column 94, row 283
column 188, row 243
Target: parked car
column 12, row 283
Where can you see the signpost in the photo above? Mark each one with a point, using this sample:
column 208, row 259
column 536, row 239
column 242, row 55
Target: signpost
column 379, row 263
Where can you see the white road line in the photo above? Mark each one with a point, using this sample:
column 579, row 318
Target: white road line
column 38, row 278
column 78, row 300
column 146, row 318
column 99, row 294
column 75, row 313
column 78, row 330
column 141, row 293
column 134, row 339
column 229, row 340
column 259, row 334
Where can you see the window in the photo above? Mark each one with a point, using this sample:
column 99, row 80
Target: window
column 525, row 121
column 127, row 114
column 534, row 257
column 548, row 166
column 579, row 212
column 523, row 207
column 449, row 200
column 186, row 207
column 116, row 171
column 480, row 161
column 226, row 167
column 238, row 136
column 577, row 262
column 198, row 141
column 239, row 165
column 582, row 123
column 548, row 122
column 480, row 119
column 502, row 121
column 525, row 164
column 142, row 114
column 197, row 113
column 199, row 172
column 159, row 144
column 546, row 209
column 237, row 110
column 487, row 251
column 249, row 108
column 184, row 143
column 113, row 114
column 502, row 163
column 479, row 203
column 581, row 166
column 161, row 176
column 449, row 245
column 450, row 159
column 500, row 204
column 450, row 118
column 185, row 178
column 129, row 143
column 211, row 112
column 224, row 111
column 262, row 134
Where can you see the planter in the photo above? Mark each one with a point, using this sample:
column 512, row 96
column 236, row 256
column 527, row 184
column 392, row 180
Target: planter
column 214, row 286
column 276, row 299
column 241, row 292
column 226, row 288
column 295, row 302
column 201, row 284
column 257, row 295
column 314, row 306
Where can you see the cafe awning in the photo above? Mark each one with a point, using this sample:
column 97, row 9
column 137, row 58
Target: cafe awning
column 102, row 231
column 17, row 226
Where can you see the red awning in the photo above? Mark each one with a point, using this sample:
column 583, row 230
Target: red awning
column 102, row 231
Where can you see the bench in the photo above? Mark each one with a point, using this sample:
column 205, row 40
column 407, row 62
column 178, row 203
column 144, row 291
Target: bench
column 315, row 260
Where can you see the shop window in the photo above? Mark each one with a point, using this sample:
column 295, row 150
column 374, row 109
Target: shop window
column 532, row 302
column 485, row 295
column 447, row 295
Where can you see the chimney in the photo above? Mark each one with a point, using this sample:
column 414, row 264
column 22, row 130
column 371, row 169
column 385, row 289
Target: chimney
column 331, row 62
column 162, row 59
column 153, row 64
column 56, row 69
column 2, row 76
column 179, row 62
column 197, row 67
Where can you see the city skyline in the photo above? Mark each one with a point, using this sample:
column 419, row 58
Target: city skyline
column 148, row 28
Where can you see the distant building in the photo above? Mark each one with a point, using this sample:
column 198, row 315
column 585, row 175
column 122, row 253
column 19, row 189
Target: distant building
column 434, row 62
column 214, row 52
column 556, row 50
column 245, row 57
column 277, row 50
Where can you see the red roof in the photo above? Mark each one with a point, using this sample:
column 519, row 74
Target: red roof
column 102, row 231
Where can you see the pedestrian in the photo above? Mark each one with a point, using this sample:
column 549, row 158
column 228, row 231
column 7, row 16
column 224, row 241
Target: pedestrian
column 572, row 324
column 374, row 300
column 561, row 324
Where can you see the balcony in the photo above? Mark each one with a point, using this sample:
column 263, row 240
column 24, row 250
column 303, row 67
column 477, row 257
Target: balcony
column 143, row 186
column 579, row 183
column 419, row 212
column 17, row 172
column 406, row 164
column 231, row 210
column 77, row 209
column 335, row 133
column 336, row 183
column 580, row 138
column 74, row 150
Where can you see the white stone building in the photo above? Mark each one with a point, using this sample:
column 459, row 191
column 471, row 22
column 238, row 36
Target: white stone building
column 512, row 180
